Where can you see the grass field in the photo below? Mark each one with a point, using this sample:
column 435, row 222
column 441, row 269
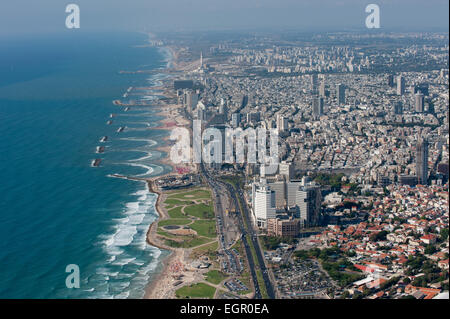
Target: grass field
column 190, row 195
column 187, row 242
column 174, row 221
column 165, row 234
column 207, row 248
column 200, row 211
column 172, row 201
column 205, row 228
column 215, row 277
column 200, row 290
column 192, row 207
column 176, row 212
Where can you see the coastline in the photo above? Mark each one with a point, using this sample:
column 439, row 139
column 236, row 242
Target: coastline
column 159, row 286
column 174, row 265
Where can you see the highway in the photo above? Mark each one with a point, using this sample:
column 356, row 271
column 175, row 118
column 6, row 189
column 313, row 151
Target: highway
column 254, row 238
column 216, row 186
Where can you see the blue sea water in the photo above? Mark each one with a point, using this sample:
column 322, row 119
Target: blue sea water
column 56, row 94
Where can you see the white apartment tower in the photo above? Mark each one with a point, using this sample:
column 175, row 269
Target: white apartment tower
column 264, row 206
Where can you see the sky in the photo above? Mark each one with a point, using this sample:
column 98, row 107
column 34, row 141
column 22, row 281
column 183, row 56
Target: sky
column 44, row 16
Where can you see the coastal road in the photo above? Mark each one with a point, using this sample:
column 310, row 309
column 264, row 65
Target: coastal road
column 254, row 238
column 216, row 186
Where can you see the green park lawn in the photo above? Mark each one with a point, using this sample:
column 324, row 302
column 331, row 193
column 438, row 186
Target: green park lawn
column 200, row 290
column 215, row 277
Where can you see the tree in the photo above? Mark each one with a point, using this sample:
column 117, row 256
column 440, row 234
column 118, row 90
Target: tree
column 430, row 249
column 444, row 234
column 379, row 236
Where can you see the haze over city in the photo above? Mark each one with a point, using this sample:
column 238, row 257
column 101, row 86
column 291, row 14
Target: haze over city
column 23, row 16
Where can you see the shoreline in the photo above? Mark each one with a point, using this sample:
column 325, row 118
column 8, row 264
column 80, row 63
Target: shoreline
column 159, row 286
column 170, row 118
column 175, row 264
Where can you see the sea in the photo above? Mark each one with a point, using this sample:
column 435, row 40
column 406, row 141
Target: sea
column 56, row 210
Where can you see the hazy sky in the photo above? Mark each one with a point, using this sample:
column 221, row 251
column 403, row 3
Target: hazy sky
column 30, row 16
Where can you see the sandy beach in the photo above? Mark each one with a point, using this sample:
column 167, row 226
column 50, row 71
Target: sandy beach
column 176, row 265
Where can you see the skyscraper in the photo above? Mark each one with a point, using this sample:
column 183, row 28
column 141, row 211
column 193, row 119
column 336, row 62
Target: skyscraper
column 286, row 169
column 317, row 107
column 264, row 206
column 400, row 85
column 244, row 101
column 390, row 80
column 314, row 82
column 309, row 201
column 235, row 119
column 340, row 94
column 398, row 108
column 282, row 123
column 223, row 107
column 190, row 100
column 422, row 161
column 322, row 88
column 419, row 102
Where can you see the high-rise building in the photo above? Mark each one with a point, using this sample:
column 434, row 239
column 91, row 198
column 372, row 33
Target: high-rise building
column 190, row 100
column 322, row 89
column 223, row 108
column 340, row 94
column 419, row 102
column 183, row 84
column 286, row 169
column 235, row 120
column 200, row 114
column 422, row 161
column 314, row 82
column 400, row 85
column 398, row 108
column 279, row 187
column 282, row 123
column 291, row 193
column 317, row 107
column 244, row 101
column 283, row 227
column 390, row 80
column 264, row 206
column 407, row 180
column 253, row 117
column 308, row 201
column 382, row 180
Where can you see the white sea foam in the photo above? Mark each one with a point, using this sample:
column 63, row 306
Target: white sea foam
column 148, row 168
column 124, row 261
column 123, row 295
column 130, row 231
column 131, row 261
column 150, row 142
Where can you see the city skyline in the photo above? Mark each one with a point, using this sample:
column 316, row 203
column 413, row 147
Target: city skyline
column 230, row 150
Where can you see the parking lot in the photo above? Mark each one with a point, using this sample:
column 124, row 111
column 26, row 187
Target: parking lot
column 301, row 279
